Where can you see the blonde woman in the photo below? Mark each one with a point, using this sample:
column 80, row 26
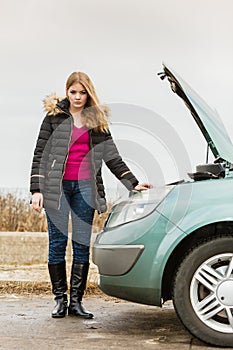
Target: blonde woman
column 73, row 141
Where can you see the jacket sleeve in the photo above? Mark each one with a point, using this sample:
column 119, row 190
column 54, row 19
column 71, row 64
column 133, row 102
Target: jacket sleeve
column 40, row 156
column 117, row 166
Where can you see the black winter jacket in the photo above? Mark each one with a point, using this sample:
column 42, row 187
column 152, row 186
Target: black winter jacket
column 51, row 153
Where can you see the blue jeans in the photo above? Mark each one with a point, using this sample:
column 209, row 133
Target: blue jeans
column 76, row 199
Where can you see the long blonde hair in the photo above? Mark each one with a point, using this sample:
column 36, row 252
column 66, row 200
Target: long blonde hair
column 94, row 114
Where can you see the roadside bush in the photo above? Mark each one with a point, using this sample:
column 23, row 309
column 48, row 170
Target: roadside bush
column 17, row 215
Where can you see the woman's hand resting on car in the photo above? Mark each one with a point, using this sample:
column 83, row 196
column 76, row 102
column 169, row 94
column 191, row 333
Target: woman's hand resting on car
column 142, row 187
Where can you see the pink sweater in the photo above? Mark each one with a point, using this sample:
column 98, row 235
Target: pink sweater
column 78, row 161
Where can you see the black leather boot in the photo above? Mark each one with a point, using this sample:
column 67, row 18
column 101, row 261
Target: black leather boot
column 77, row 287
column 59, row 287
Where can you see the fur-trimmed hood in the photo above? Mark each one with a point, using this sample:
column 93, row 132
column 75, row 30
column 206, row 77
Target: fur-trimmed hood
column 50, row 104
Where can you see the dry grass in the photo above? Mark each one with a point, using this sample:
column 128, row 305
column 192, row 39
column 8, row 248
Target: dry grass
column 38, row 288
column 18, row 216
column 14, row 287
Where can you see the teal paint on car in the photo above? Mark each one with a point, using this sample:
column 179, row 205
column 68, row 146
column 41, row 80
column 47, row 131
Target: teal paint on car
column 176, row 242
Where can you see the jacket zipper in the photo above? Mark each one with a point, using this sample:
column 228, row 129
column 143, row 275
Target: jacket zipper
column 64, row 165
column 94, row 171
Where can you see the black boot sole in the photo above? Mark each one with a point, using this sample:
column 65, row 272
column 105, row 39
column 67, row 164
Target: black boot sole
column 88, row 316
column 58, row 316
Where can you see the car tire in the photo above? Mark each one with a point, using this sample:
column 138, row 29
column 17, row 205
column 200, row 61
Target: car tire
column 203, row 291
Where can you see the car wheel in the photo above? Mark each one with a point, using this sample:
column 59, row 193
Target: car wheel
column 203, row 291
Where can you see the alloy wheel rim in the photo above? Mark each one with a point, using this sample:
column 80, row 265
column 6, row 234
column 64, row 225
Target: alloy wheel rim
column 211, row 292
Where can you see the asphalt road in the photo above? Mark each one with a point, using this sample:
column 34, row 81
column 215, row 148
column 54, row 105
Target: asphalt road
column 25, row 324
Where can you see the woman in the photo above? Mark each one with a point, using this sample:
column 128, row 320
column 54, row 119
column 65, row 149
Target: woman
column 73, row 141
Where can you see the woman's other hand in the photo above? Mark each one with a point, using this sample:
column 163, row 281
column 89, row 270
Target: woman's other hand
column 142, row 187
column 37, row 201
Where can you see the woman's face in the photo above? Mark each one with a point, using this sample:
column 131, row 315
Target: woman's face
column 77, row 95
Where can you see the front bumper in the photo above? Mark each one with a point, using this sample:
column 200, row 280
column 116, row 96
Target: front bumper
column 116, row 260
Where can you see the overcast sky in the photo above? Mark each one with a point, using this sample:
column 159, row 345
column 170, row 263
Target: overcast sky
column 121, row 45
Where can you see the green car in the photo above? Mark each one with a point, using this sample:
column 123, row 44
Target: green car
column 176, row 242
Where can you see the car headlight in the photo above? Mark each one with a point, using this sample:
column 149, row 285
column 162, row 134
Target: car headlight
column 139, row 205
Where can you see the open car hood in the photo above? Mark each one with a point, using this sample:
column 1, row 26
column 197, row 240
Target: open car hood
column 206, row 118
